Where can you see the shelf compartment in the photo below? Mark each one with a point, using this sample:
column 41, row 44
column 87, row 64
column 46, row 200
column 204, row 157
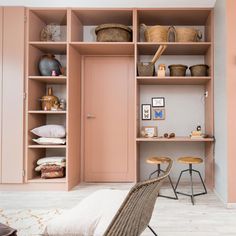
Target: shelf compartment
column 84, row 21
column 198, row 48
column 39, row 18
column 47, row 112
column 172, row 80
column 49, row 79
column 176, row 139
column 104, row 48
column 54, row 180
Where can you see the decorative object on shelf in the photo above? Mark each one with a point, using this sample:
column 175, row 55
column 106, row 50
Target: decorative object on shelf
column 149, row 131
column 62, row 104
column 54, row 73
column 158, row 114
column 177, row 70
column 197, row 133
column 171, row 135
column 161, row 72
column 186, row 34
column 199, row 70
column 148, row 68
column 50, row 32
column 47, row 64
column 146, row 112
column 113, row 33
column 156, row 33
column 49, row 102
column 158, row 102
column 51, row 167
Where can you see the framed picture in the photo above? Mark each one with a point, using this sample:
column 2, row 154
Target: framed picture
column 146, row 112
column 158, row 102
column 149, row 131
column 158, row 114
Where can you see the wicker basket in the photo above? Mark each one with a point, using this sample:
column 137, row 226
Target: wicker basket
column 177, row 70
column 184, row 34
column 146, row 69
column 156, row 33
column 113, row 33
column 199, row 70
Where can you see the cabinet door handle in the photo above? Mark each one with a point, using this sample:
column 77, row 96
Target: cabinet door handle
column 90, row 116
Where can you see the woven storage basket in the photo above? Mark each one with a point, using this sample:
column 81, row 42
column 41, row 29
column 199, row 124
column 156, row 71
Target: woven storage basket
column 177, row 70
column 199, row 70
column 184, row 34
column 113, row 33
column 156, row 33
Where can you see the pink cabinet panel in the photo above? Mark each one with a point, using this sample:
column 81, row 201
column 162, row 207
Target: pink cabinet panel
column 12, row 94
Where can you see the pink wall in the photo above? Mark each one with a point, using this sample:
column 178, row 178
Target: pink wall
column 231, row 97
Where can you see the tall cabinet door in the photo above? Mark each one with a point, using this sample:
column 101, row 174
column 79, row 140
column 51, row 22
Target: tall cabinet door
column 109, row 132
column 12, row 94
column 1, row 30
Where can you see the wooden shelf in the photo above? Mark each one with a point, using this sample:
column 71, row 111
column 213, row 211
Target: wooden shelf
column 50, row 47
column 177, row 139
column 46, row 112
column 40, row 180
column 50, row 79
column 46, row 146
column 168, row 80
column 198, row 48
column 104, row 48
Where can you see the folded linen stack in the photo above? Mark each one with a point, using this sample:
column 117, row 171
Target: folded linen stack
column 51, row 167
column 50, row 134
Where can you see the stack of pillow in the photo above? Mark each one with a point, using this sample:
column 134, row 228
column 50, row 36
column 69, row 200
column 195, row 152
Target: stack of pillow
column 50, row 134
column 51, row 167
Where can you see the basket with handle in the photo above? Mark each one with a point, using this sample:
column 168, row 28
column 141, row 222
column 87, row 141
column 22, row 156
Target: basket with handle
column 156, row 33
column 184, row 34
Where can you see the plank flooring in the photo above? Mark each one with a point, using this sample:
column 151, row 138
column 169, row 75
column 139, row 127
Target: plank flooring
column 208, row 217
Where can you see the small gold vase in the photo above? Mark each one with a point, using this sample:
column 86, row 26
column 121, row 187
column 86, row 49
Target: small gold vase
column 49, row 101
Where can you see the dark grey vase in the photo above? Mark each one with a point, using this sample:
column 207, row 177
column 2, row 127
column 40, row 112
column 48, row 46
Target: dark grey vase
column 47, row 64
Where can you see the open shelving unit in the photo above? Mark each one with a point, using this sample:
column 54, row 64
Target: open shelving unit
column 76, row 42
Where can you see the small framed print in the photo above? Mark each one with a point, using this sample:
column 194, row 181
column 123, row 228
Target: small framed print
column 149, row 131
column 158, row 102
column 146, row 112
column 158, row 114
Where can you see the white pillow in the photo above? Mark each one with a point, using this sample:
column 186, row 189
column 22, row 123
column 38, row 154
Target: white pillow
column 91, row 216
column 50, row 131
column 48, row 141
column 46, row 160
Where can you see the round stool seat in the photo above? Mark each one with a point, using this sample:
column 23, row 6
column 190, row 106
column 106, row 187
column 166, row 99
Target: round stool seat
column 190, row 160
column 158, row 160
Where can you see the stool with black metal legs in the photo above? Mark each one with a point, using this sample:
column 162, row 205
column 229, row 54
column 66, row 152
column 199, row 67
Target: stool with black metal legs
column 190, row 161
column 158, row 161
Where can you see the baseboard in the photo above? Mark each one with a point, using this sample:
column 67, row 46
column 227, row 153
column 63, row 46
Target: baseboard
column 220, row 198
column 231, row 205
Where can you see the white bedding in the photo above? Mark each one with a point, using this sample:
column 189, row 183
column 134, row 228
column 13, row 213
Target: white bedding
column 90, row 217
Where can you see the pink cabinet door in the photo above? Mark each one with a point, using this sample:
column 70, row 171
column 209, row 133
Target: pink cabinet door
column 108, row 119
column 12, row 94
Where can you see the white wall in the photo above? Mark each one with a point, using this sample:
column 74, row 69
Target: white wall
column 220, row 101
column 110, row 3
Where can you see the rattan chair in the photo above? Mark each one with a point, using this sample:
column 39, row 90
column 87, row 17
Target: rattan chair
column 135, row 213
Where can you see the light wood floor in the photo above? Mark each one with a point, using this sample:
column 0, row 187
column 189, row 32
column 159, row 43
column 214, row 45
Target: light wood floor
column 208, row 217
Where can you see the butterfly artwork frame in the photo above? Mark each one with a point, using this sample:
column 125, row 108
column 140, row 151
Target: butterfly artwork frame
column 158, row 102
column 158, row 114
column 146, row 112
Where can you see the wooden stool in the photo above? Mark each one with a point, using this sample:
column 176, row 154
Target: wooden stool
column 158, row 161
column 190, row 161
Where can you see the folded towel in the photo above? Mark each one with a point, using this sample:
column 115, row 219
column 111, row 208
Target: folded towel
column 60, row 164
column 46, row 160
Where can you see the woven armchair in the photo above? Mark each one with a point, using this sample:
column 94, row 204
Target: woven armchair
column 135, row 213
